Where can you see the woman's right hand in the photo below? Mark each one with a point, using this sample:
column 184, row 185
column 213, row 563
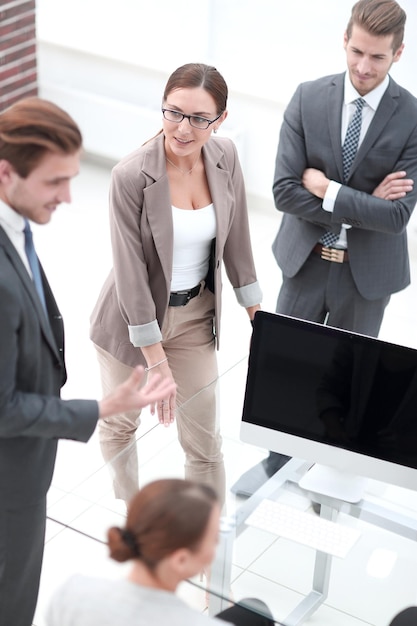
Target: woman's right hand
column 165, row 407
column 133, row 394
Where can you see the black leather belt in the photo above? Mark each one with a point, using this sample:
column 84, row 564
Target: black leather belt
column 331, row 254
column 181, row 298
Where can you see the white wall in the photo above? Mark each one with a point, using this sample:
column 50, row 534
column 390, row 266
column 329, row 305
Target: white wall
column 107, row 61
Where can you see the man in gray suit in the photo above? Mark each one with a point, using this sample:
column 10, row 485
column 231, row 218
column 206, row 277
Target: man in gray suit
column 363, row 204
column 39, row 154
column 348, row 284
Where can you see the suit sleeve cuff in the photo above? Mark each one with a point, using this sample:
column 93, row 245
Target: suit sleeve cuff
column 249, row 295
column 145, row 334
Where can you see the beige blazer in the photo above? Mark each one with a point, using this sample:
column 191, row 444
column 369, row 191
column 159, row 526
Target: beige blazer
column 135, row 296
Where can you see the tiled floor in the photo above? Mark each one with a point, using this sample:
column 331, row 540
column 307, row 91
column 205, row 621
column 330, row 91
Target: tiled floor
column 75, row 252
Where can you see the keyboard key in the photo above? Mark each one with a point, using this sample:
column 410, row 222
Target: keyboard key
column 306, row 528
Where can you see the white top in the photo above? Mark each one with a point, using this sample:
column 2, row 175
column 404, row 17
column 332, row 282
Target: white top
column 13, row 225
column 85, row 601
column 193, row 234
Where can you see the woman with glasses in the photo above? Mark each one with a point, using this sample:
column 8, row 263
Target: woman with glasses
column 177, row 213
column 171, row 533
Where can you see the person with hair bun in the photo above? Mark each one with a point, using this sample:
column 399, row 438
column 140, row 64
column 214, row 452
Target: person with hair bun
column 170, row 535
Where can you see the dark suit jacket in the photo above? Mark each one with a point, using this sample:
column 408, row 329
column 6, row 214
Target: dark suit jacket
column 32, row 372
column 379, row 421
column 311, row 137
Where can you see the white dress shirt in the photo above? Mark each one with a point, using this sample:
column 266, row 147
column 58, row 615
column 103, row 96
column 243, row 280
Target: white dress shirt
column 372, row 99
column 13, row 224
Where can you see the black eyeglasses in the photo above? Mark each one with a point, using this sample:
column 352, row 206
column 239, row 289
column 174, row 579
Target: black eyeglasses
column 195, row 120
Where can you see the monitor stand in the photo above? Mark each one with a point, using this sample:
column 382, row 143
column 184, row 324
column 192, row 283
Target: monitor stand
column 333, row 483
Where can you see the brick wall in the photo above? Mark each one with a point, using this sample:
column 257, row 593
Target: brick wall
column 18, row 77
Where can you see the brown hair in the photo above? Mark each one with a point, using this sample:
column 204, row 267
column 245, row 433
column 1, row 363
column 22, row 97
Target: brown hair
column 193, row 75
column 379, row 18
column 199, row 75
column 30, row 128
column 164, row 516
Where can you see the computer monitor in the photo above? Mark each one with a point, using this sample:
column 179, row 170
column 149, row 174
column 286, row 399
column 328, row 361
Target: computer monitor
column 344, row 401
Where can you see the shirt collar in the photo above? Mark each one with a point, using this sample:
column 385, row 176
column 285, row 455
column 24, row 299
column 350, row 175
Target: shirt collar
column 10, row 217
column 372, row 99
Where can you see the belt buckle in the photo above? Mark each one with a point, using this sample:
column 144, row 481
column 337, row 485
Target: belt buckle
column 186, row 294
column 334, row 255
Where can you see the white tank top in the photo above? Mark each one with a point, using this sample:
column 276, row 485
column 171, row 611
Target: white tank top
column 193, row 234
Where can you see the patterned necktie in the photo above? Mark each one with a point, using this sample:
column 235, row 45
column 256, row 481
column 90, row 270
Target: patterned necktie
column 350, row 144
column 33, row 262
column 349, row 150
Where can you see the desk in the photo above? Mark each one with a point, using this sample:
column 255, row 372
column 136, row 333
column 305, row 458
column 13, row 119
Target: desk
column 371, row 514
column 374, row 582
column 252, row 562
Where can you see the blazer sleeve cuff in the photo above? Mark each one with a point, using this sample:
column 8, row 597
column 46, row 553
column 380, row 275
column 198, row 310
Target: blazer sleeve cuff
column 249, row 295
column 145, row 334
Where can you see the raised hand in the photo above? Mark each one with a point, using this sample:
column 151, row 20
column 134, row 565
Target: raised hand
column 131, row 395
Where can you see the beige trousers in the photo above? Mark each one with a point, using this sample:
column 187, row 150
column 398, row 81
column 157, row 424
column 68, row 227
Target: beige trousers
column 190, row 347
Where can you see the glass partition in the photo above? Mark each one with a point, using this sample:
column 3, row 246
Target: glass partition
column 372, row 581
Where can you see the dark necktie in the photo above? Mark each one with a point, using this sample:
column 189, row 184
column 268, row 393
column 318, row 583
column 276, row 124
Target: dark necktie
column 350, row 147
column 33, row 262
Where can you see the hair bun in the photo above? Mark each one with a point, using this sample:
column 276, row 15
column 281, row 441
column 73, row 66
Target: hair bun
column 122, row 544
column 130, row 540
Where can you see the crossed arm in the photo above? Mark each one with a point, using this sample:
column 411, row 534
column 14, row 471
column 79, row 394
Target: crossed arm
column 393, row 187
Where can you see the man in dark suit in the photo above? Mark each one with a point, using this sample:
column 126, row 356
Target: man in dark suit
column 39, row 154
column 366, row 204
column 369, row 209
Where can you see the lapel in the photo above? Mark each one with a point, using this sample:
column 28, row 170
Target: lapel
column 334, row 116
column 386, row 109
column 158, row 201
column 28, row 285
column 218, row 172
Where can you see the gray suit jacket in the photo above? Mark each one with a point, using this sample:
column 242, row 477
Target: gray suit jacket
column 32, row 372
column 311, row 137
column 136, row 293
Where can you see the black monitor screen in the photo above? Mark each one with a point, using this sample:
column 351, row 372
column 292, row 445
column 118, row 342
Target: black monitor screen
column 333, row 386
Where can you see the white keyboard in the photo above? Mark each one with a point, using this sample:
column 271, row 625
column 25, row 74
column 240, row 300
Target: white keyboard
column 306, row 528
